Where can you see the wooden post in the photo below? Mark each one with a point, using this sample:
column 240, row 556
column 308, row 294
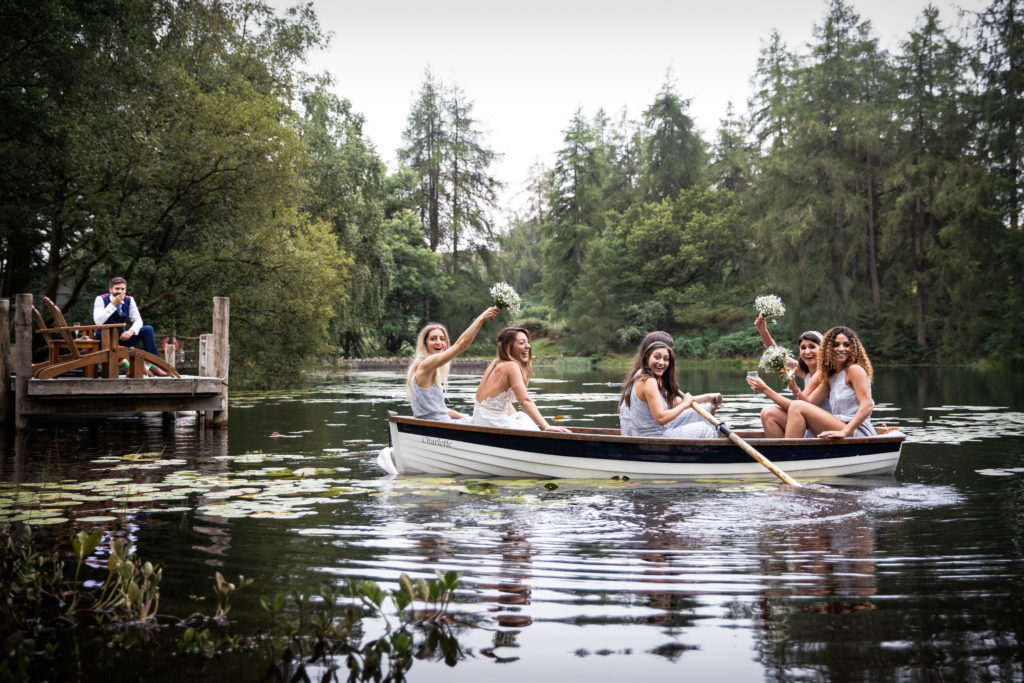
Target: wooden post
column 22, row 358
column 170, row 352
column 5, row 361
column 221, row 357
column 204, row 359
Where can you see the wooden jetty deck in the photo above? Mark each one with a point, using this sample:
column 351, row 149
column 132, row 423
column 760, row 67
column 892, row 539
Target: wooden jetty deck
column 22, row 396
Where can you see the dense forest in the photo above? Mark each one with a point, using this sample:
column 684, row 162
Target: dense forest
column 182, row 145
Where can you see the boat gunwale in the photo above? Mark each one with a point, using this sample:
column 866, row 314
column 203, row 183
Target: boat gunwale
column 608, row 434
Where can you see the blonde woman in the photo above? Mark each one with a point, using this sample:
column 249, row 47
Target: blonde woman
column 428, row 373
column 504, row 382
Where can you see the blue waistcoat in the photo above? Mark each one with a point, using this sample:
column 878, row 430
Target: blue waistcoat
column 120, row 315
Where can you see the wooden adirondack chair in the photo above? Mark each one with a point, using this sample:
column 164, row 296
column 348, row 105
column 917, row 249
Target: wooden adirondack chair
column 57, row 347
column 105, row 358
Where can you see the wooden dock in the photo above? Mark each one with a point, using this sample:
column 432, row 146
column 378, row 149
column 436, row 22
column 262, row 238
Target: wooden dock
column 22, row 396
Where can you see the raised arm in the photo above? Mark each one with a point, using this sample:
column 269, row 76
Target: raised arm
column 426, row 368
column 762, row 329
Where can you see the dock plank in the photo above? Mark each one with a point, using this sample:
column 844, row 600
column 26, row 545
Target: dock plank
column 178, row 387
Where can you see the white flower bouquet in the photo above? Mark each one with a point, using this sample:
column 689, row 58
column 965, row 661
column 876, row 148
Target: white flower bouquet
column 774, row 359
column 506, row 297
column 770, row 306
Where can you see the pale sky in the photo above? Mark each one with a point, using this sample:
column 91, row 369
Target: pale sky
column 528, row 65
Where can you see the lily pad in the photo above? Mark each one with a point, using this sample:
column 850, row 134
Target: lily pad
column 995, row 473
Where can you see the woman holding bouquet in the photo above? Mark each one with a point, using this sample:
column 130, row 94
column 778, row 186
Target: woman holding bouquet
column 655, row 404
column 773, row 418
column 428, row 372
column 504, row 382
column 844, row 376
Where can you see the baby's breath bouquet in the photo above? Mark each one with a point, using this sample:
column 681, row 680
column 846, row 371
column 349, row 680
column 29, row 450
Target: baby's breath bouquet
column 506, row 297
column 774, row 359
column 770, row 306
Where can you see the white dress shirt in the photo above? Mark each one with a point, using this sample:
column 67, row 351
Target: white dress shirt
column 101, row 313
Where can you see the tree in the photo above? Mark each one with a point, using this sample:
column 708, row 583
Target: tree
column 343, row 179
column 732, row 162
column 674, row 156
column 998, row 62
column 424, row 153
column 928, row 184
column 472, row 191
column 818, row 187
column 163, row 147
column 446, row 150
column 417, row 286
column 576, row 207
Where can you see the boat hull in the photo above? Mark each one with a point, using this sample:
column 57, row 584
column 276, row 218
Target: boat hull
column 426, row 447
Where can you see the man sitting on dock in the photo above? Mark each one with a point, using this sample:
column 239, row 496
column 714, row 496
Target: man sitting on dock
column 117, row 307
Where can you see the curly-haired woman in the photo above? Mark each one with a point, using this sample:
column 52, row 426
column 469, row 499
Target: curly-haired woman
column 844, row 375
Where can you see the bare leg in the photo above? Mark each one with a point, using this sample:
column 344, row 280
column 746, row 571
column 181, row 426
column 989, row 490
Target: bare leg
column 773, row 419
column 803, row 416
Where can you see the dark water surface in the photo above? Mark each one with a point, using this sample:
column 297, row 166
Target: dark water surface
column 919, row 576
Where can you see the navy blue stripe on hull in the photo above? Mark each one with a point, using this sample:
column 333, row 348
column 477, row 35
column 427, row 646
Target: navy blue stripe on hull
column 647, row 451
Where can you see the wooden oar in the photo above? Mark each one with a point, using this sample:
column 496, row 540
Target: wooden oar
column 736, row 439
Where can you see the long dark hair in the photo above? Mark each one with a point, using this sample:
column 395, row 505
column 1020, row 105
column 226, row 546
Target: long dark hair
column 506, row 338
column 809, row 335
column 668, row 385
column 827, row 356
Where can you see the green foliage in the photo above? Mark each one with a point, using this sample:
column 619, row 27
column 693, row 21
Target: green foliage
column 742, row 343
column 690, row 347
column 575, row 188
column 180, row 145
column 418, row 284
column 343, row 182
column 322, row 628
column 445, row 149
column 674, row 156
column 181, row 164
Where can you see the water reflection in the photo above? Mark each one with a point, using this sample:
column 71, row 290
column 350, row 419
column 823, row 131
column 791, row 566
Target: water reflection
column 859, row 578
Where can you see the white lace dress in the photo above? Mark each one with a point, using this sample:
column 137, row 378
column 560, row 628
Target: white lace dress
column 493, row 412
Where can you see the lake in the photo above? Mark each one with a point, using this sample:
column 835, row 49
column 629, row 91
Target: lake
column 918, row 576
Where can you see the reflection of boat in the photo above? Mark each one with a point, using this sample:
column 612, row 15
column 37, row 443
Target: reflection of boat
column 427, row 447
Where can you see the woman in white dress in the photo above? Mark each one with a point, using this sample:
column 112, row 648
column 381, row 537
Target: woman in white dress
column 428, row 372
column 845, row 381
column 505, row 381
